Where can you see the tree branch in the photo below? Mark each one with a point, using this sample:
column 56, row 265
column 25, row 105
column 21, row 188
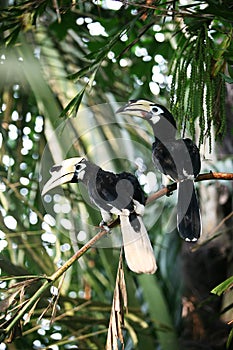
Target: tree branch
column 48, row 282
column 51, row 279
column 166, row 191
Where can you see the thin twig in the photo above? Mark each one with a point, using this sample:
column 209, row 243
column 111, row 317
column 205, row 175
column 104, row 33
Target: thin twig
column 77, row 255
column 169, row 11
column 51, row 279
column 166, row 191
column 213, row 233
column 140, row 34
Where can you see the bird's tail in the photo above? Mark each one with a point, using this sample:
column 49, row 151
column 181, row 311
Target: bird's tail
column 137, row 246
column 188, row 212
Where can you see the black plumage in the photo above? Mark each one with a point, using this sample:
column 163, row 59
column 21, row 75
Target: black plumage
column 179, row 159
column 114, row 194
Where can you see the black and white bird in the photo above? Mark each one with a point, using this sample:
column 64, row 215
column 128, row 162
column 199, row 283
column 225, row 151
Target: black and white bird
column 179, row 159
column 114, row 194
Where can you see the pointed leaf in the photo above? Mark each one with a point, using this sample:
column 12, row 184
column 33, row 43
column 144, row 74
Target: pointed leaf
column 229, row 340
column 7, row 302
column 223, row 287
column 227, row 79
column 73, row 105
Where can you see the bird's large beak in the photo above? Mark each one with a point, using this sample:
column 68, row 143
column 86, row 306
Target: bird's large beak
column 138, row 108
column 61, row 174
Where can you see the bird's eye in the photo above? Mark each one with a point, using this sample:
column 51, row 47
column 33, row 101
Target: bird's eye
column 78, row 167
column 155, row 109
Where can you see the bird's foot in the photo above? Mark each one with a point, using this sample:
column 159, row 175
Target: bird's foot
column 169, row 190
column 104, row 226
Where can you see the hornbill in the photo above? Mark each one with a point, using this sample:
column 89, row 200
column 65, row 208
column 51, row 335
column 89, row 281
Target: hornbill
column 179, row 159
column 119, row 194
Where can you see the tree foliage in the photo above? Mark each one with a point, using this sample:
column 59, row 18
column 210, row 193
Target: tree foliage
column 65, row 66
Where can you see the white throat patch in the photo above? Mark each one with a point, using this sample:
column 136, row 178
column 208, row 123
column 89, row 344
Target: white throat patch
column 81, row 174
column 81, row 171
column 155, row 119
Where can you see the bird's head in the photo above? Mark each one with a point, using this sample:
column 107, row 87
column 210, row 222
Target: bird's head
column 148, row 110
column 70, row 170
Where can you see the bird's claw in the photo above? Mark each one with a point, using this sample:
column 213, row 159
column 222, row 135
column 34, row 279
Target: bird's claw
column 169, row 191
column 103, row 225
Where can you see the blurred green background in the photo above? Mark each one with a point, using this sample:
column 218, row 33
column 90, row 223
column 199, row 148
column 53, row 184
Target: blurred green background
column 65, row 67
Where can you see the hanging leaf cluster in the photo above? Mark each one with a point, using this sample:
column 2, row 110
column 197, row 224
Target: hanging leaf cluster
column 198, row 91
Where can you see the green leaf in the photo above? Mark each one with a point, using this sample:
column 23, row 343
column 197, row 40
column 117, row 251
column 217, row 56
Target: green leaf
column 159, row 312
column 229, row 339
column 102, row 52
column 230, row 70
column 73, row 105
column 68, row 21
column 13, row 36
column 222, row 287
column 227, row 79
column 84, row 71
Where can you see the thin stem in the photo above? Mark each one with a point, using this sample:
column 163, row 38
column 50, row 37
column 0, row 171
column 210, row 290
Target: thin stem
column 166, row 191
column 51, row 279
column 77, row 255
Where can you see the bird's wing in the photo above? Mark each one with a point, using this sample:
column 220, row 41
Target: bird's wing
column 132, row 184
column 194, row 156
column 110, row 193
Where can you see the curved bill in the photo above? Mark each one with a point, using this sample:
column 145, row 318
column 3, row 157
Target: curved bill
column 61, row 174
column 136, row 108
